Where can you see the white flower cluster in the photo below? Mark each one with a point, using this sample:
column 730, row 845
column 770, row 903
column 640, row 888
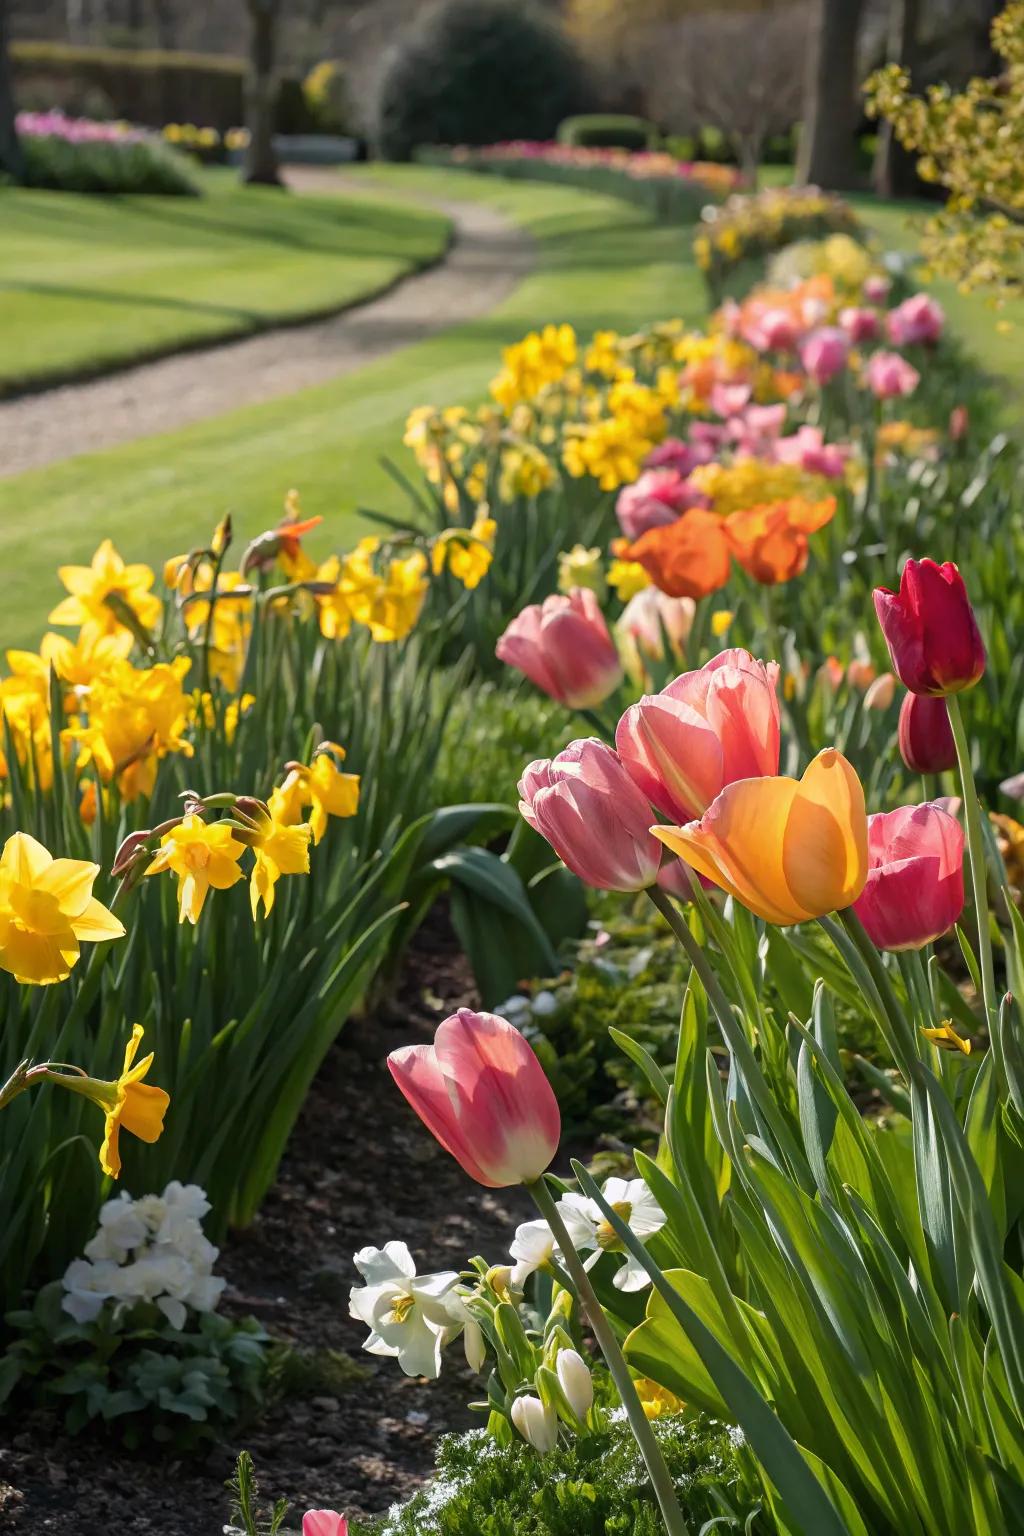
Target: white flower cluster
column 150, row 1249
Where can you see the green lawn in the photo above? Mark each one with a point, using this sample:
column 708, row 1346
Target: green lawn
column 599, row 262
column 88, row 282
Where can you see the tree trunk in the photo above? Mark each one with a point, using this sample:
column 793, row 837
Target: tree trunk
column 828, row 150
column 893, row 165
column 260, row 159
column 11, row 158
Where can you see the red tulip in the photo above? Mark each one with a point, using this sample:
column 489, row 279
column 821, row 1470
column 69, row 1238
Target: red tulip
column 482, row 1092
column 915, row 885
column 930, row 629
column 590, row 811
column 708, row 728
column 563, row 646
column 926, row 736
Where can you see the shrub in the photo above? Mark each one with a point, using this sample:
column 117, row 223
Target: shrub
column 597, row 1486
column 602, row 130
column 144, row 85
column 474, row 73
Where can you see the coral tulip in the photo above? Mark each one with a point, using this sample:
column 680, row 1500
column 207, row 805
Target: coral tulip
column 482, row 1092
column 930, row 629
column 656, row 498
column 595, row 818
column 888, row 375
column 788, row 849
column 770, row 542
column 917, row 321
column 688, row 558
column 824, row 353
column 705, row 730
column 915, row 885
column 925, row 734
column 563, row 646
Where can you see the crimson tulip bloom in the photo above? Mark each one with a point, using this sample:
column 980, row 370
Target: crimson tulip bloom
column 930, row 629
column 925, row 734
column 482, row 1092
column 707, row 729
column 593, row 815
column 915, row 886
column 563, row 646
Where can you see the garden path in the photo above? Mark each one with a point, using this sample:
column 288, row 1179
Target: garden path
column 487, row 258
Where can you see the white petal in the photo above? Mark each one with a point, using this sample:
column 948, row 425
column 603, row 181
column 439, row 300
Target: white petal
column 431, row 1293
column 392, row 1262
column 363, row 1300
column 632, row 1276
column 533, row 1244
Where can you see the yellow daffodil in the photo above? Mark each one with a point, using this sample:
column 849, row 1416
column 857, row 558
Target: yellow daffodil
column 203, row 856
column 127, row 1102
column 46, row 909
column 322, row 785
column 467, row 555
column 947, row 1039
column 101, row 594
column 134, row 717
column 281, row 849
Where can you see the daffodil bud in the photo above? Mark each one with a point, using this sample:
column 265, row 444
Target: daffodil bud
column 131, row 852
column 576, row 1382
column 475, row 1346
column 536, row 1422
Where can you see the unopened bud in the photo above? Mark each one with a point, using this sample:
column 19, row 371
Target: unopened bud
column 475, row 1346
column 576, row 1382
column 536, row 1422
column 130, row 853
column 881, row 693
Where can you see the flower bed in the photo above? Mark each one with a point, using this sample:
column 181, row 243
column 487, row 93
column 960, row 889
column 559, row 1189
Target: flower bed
column 672, row 189
column 69, row 154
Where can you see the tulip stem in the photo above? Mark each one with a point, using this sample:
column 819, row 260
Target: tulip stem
column 650, row 1450
column 979, row 874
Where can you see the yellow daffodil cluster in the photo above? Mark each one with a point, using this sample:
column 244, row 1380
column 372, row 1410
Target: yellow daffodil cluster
column 388, row 600
column 46, row 909
column 749, row 482
column 755, row 224
column 970, row 142
column 467, row 554
column 204, row 140
column 129, row 719
column 542, row 357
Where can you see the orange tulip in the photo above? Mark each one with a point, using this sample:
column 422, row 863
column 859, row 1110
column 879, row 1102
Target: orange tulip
column 770, row 541
column 687, row 558
column 788, row 849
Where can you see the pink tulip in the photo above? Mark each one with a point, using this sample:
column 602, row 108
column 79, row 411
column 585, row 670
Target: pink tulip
column 859, row 323
column 682, row 746
column 324, row 1522
column 959, row 422
column 915, row 884
column 706, row 438
column 808, row 448
column 650, row 615
column 876, row 288
column 918, row 321
column 563, row 646
column 482, row 1092
column 659, row 496
column 588, row 808
column 672, row 453
column 774, row 330
column 888, row 375
column 729, row 399
column 824, row 353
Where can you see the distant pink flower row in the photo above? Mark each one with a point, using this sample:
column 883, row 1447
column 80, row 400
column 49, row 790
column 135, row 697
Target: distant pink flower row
column 643, row 164
column 75, row 130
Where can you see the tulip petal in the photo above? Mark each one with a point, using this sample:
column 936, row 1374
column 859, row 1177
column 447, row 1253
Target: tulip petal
column 739, row 843
column 825, row 851
column 419, row 1077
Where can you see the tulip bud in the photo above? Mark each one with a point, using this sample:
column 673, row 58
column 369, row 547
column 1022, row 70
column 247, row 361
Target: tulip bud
column 536, row 1422
column 915, row 886
column 563, row 646
column 881, row 692
column 889, row 375
column 930, row 629
column 595, row 818
column 959, row 421
column 824, row 353
column 576, row 1382
column 324, row 1522
column 481, row 1091
column 925, row 734
column 860, row 675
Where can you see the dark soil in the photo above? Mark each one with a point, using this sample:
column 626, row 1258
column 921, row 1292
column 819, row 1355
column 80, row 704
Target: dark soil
column 360, row 1170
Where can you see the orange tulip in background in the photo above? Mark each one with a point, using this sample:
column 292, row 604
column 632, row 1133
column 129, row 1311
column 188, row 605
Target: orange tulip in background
column 687, row 558
column 770, row 541
column 788, row 849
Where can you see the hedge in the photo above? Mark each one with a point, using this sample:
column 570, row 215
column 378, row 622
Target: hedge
column 144, row 86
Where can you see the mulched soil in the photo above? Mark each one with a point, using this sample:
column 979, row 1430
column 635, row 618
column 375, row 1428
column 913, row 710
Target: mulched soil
column 360, row 1169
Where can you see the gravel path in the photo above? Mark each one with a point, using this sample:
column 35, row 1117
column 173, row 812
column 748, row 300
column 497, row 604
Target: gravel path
column 487, row 259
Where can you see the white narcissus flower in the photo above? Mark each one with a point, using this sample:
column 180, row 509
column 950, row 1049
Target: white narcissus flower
column 630, row 1199
column 407, row 1314
column 532, row 1247
column 536, row 1422
column 88, row 1286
